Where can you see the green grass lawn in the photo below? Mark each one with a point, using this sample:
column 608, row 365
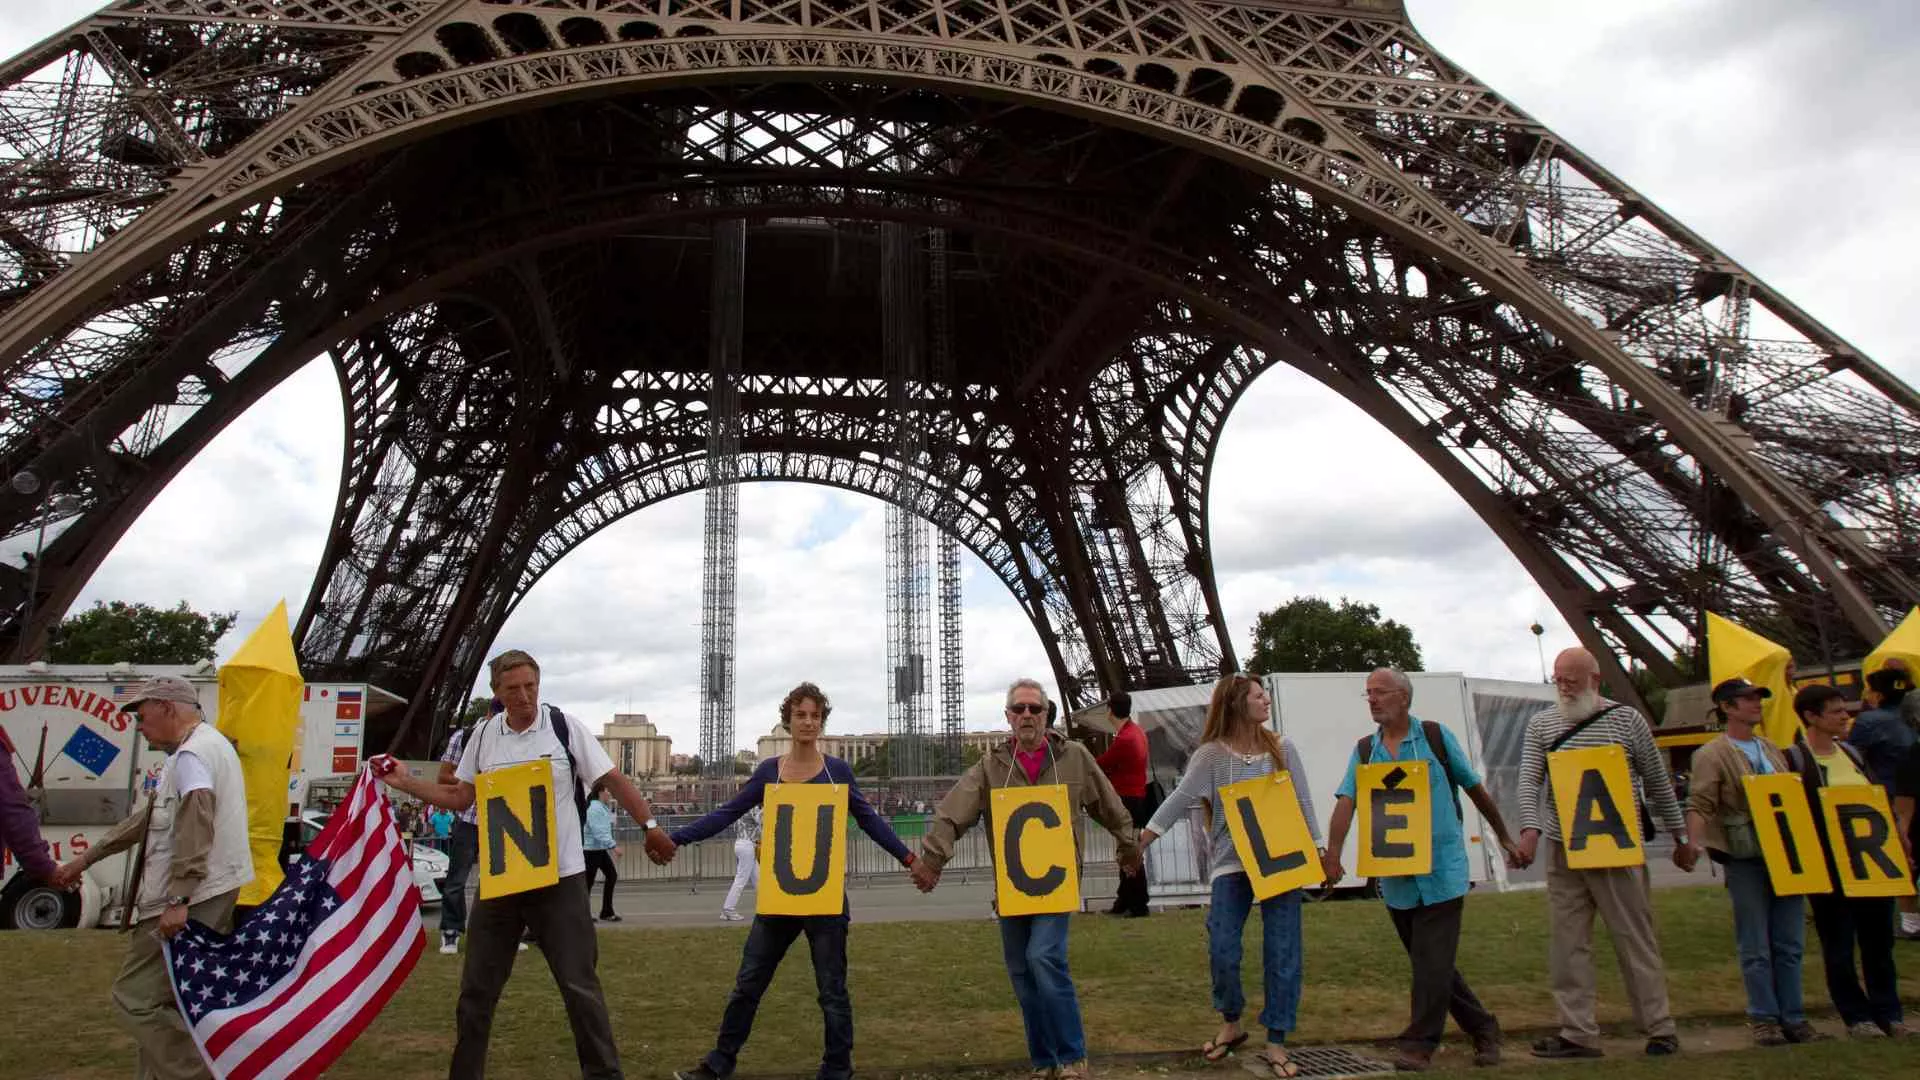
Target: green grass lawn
column 933, row 997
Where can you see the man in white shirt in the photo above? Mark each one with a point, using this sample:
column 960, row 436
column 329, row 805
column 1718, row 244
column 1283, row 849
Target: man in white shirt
column 558, row 915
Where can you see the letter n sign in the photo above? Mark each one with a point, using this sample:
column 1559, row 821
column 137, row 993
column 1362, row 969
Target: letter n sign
column 1396, row 819
column 1035, row 868
column 1599, row 823
column 1270, row 835
column 1783, row 823
column 803, row 862
column 519, row 847
column 1866, row 846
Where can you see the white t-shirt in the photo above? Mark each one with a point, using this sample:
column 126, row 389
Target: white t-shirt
column 494, row 744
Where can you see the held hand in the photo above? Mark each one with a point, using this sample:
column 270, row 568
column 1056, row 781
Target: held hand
column 616, row 851
column 1330, row 866
column 1526, row 850
column 1686, row 856
column 925, row 876
column 1147, row 837
column 172, row 921
column 1130, row 865
column 67, row 875
column 660, row 847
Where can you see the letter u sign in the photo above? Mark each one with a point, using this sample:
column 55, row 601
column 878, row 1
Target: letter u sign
column 803, row 862
column 1035, row 868
column 518, row 849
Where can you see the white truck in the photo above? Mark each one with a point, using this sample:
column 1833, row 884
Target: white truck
column 85, row 768
column 1325, row 715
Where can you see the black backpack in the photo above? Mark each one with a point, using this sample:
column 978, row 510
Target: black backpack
column 1435, row 742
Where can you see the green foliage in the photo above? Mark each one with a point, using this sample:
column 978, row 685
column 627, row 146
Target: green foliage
column 476, row 709
column 137, row 634
column 1309, row 634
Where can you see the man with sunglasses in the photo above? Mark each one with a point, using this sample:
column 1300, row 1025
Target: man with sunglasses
column 1035, row 946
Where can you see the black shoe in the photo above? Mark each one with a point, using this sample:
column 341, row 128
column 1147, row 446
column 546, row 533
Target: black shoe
column 698, row 1072
column 1555, row 1046
column 1135, row 914
column 1662, row 1045
column 1803, row 1032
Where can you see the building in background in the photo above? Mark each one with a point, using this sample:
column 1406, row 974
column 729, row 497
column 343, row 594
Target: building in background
column 857, row 748
column 636, row 746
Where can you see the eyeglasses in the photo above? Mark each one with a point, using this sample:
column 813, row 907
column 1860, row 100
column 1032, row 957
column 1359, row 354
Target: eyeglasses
column 1371, row 694
column 1030, row 710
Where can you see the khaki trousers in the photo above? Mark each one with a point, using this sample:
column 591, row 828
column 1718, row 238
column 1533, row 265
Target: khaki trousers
column 1624, row 899
column 143, row 996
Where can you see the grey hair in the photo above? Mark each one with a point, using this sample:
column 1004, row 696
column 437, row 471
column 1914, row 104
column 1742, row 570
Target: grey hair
column 1400, row 681
column 1027, row 684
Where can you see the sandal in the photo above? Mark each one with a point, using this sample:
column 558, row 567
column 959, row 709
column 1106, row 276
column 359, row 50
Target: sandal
column 1276, row 1059
column 1220, row 1051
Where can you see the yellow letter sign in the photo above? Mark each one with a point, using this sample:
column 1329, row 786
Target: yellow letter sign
column 803, row 868
column 1270, row 835
column 1866, row 845
column 1599, row 824
column 1783, row 822
column 1035, row 868
column 519, row 840
column 1396, row 819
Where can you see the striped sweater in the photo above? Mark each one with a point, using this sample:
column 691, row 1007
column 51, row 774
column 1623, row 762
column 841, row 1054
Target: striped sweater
column 1212, row 767
column 1622, row 727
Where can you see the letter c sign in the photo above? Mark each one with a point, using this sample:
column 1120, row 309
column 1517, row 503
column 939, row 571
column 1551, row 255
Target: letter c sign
column 1036, row 870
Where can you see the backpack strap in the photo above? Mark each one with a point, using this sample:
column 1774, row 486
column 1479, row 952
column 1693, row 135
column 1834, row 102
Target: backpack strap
column 1364, row 749
column 560, row 730
column 1437, row 744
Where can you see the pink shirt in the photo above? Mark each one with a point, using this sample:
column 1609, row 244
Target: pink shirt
column 1032, row 761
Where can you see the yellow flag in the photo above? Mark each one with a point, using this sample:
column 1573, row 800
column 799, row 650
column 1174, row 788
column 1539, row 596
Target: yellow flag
column 519, row 828
column 1903, row 645
column 803, row 859
column 260, row 714
column 1036, row 870
column 1599, row 822
column 1395, row 816
column 1271, row 836
column 1733, row 651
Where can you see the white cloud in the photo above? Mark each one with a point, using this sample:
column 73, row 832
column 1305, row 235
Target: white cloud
column 1773, row 128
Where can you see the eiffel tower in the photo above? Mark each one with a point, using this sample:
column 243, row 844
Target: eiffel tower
column 496, row 219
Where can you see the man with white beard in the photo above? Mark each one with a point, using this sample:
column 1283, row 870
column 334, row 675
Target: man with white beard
column 1582, row 719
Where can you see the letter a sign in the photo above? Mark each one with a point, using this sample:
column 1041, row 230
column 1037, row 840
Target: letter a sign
column 518, row 836
column 1396, row 819
column 1594, row 794
column 1783, row 823
column 1270, row 835
column 1035, row 870
column 803, row 863
column 1866, row 848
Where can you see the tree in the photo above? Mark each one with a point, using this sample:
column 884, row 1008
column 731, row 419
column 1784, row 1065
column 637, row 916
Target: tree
column 138, row 634
column 1308, row 634
column 476, row 709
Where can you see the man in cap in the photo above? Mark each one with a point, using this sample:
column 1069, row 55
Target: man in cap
column 1770, row 929
column 193, row 859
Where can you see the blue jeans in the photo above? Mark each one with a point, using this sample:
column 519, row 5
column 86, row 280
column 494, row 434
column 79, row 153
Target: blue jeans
column 767, row 944
column 1280, row 952
column 1771, row 932
column 463, row 850
column 1036, row 953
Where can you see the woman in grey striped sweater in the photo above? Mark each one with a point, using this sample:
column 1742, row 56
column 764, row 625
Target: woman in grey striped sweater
column 1237, row 745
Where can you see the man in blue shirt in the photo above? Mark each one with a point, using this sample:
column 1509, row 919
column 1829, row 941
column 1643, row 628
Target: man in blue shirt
column 1426, row 908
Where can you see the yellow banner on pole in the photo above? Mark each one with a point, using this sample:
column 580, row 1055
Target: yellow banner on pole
column 1036, row 870
column 1866, row 841
column 1396, row 819
column 1733, row 651
column 260, row 691
column 1789, row 841
column 1271, row 836
column 519, row 836
column 803, row 862
column 1599, row 822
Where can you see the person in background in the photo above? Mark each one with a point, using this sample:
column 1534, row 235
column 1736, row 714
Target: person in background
column 1125, row 764
column 596, row 843
column 746, row 863
column 1884, row 734
column 442, row 822
column 1236, row 744
column 20, row 822
column 463, row 843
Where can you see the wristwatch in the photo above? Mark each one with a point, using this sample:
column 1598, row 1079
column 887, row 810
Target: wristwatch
column 650, row 824
column 179, row 901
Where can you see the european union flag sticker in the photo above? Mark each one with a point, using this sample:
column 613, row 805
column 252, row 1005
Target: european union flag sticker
column 94, row 752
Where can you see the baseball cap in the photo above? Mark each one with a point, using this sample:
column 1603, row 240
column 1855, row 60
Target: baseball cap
column 1737, row 687
column 163, row 688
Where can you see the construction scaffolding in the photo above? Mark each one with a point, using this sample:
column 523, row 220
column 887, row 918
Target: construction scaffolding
column 720, row 568
column 946, row 547
column 903, row 346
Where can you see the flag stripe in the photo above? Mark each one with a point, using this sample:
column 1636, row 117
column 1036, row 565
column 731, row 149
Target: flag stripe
column 361, row 1001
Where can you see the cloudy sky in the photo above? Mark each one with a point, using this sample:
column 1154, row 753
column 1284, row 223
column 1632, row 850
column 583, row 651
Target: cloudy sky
column 1780, row 130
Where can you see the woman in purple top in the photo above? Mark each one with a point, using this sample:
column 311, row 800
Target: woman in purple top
column 804, row 715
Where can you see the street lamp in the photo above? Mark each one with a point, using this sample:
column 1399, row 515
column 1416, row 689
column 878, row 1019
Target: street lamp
column 54, row 505
column 1538, row 647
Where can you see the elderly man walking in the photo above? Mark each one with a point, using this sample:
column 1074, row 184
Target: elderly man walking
column 1622, row 896
column 1426, row 908
column 1035, row 946
column 192, row 862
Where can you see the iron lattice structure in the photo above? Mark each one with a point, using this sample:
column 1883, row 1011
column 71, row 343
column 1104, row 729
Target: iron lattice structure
column 487, row 214
column 903, row 329
column 950, row 637
column 720, row 555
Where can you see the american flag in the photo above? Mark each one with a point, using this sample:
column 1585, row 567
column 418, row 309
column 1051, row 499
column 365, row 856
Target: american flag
column 294, row 985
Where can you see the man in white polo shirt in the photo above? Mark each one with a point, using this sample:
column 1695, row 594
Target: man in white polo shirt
column 559, row 914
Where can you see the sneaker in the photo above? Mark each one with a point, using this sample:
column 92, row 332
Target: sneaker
column 1803, row 1032
column 1767, row 1033
column 610, row 917
column 1046, row 1072
column 1413, row 1060
column 1075, row 1070
column 1663, row 1045
column 1898, row 1030
column 1865, row 1029
column 1486, row 1046
column 1556, row 1046
column 449, row 943
column 698, row 1072
column 730, row 915
column 523, row 946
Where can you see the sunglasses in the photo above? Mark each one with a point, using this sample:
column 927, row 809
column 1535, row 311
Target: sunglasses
column 1031, row 710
